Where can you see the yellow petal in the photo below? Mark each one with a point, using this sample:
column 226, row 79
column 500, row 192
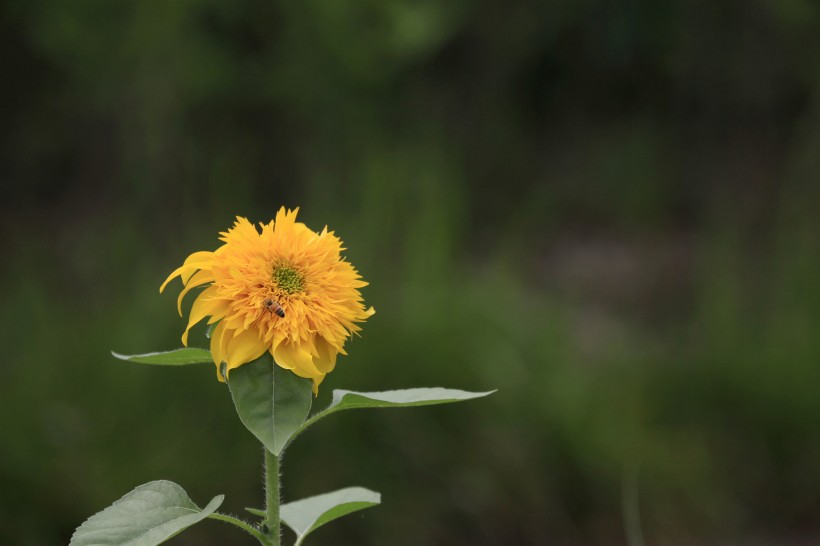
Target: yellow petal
column 242, row 230
column 316, row 382
column 296, row 359
column 244, row 347
column 326, row 360
column 281, row 217
column 218, row 348
column 192, row 263
column 204, row 306
column 175, row 273
column 201, row 277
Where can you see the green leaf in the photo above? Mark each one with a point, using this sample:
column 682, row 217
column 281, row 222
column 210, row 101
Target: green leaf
column 306, row 515
column 177, row 357
column 403, row 398
column 271, row 402
column 344, row 400
column 257, row 512
column 149, row 515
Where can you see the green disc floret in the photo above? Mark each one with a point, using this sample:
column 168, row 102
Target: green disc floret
column 288, row 279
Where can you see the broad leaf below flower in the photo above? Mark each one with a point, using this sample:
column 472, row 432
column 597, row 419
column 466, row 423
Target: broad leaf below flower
column 149, row 515
column 306, row 515
column 271, row 402
column 177, row 357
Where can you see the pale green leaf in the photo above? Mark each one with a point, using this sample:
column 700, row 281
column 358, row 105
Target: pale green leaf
column 307, row 515
column 344, row 400
column 257, row 512
column 400, row 398
column 271, row 402
column 177, row 357
column 149, row 515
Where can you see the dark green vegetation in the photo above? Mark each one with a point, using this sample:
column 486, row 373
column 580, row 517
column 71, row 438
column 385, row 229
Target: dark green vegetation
column 609, row 214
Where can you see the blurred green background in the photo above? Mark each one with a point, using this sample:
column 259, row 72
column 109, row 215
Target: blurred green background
column 607, row 211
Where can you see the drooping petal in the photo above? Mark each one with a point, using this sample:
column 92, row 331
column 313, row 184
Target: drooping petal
column 244, row 347
column 200, row 277
column 206, row 304
column 218, row 348
column 326, row 360
column 316, row 382
column 292, row 357
column 192, row 263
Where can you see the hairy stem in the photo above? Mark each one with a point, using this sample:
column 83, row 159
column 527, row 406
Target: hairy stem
column 245, row 526
column 272, row 498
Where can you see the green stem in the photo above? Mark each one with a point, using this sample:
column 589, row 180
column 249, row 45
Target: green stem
column 307, row 424
column 245, row 526
column 272, row 497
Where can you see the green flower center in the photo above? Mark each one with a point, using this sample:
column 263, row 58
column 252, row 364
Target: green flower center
column 288, row 279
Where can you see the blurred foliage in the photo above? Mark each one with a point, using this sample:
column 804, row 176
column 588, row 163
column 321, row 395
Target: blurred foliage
column 608, row 212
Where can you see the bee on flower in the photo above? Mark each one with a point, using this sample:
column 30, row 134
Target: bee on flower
column 274, row 307
column 282, row 288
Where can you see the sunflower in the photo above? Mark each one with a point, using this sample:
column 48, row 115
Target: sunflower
column 284, row 289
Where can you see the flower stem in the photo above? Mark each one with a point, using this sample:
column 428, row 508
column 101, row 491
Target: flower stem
column 272, row 497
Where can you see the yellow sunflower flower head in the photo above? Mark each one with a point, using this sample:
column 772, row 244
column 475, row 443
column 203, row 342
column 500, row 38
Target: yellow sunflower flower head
column 285, row 290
